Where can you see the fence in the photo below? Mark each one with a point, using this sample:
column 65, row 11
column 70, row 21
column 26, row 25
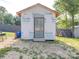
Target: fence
column 65, row 33
column 9, row 28
column 16, row 28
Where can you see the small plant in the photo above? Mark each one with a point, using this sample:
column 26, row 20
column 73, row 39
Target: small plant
column 4, row 51
column 50, row 57
column 21, row 57
column 25, row 50
column 74, row 57
column 77, row 53
column 41, row 57
column 18, row 50
column 34, row 57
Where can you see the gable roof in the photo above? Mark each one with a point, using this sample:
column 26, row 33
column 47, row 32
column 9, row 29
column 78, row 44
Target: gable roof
column 52, row 11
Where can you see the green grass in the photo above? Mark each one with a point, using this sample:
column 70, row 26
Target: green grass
column 73, row 42
column 4, row 51
column 9, row 34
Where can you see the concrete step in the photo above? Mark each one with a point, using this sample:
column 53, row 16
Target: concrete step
column 38, row 39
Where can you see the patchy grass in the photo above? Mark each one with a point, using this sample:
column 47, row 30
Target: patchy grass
column 47, row 50
column 73, row 42
column 4, row 51
column 9, row 34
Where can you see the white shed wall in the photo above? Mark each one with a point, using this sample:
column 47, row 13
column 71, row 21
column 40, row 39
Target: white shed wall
column 76, row 32
column 27, row 27
column 27, row 23
column 50, row 27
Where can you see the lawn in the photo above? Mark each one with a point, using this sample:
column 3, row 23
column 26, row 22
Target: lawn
column 9, row 34
column 73, row 42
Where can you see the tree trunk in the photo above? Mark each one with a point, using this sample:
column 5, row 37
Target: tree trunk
column 66, row 20
column 73, row 24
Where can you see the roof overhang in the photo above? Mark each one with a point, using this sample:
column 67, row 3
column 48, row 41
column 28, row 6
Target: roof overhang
column 52, row 11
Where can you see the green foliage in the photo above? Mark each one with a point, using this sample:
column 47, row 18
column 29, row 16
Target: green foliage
column 10, row 19
column 62, row 22
column 7, row 18
column 41, row 57
column 17, row 20
column 21, row 57
column 68, row 6
column 3, row 51
column 50, row 57
column 2, row 9
column 2, row 14
column 59, row 6
column 35, row 57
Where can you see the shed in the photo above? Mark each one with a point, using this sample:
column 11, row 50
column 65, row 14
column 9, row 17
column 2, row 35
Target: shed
column 38, row 23
column 76, row 31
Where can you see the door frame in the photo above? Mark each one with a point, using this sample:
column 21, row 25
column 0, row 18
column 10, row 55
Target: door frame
column 43, row 26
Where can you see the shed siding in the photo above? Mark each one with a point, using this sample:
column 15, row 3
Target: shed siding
column 76, row 32
column 27, row 27
column 27, row 23
column 50, row 27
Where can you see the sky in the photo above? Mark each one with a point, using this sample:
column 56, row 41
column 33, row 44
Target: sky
column 16, row 5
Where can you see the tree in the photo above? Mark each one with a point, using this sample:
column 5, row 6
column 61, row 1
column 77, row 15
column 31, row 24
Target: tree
column 17, row 20
column 61, row 9
column 70, row 6
column 62, row 23
column 8, row 19
column 2, row 13
column 2, row 9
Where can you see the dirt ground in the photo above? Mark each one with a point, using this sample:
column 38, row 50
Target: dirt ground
column 41, row 50
column 7, row 42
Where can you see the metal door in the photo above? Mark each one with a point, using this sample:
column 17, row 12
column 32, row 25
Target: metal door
column 38, row 27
